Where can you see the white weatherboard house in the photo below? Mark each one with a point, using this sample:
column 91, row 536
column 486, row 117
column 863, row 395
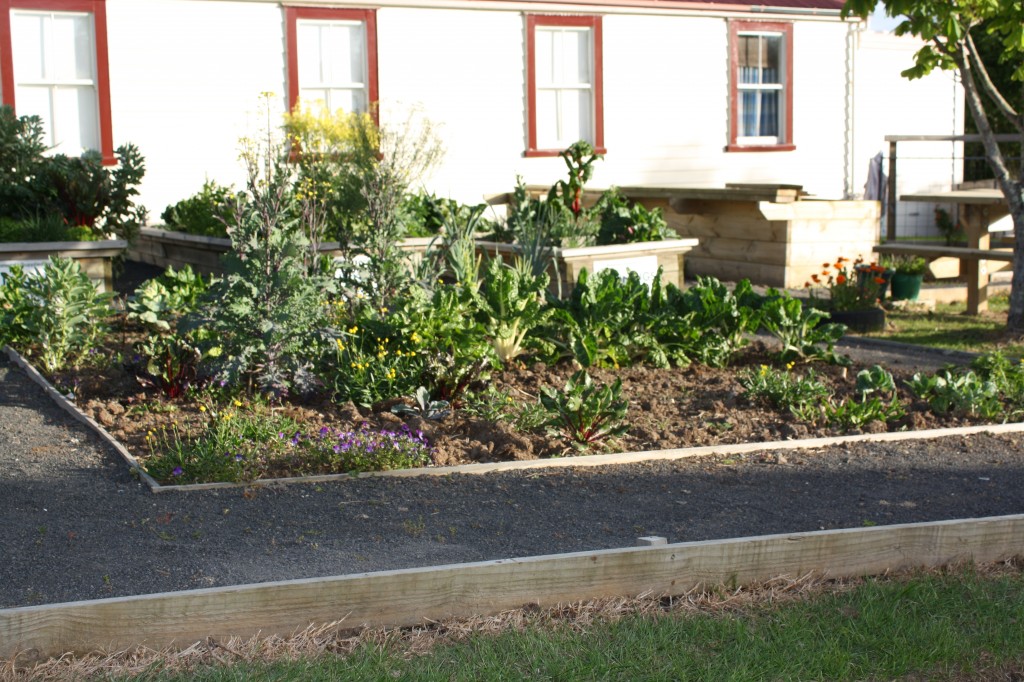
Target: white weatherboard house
column 676, row 93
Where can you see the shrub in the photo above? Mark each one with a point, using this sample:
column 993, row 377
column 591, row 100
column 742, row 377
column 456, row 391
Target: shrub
column 623, row 222
column 207, row 213
column 79, row 189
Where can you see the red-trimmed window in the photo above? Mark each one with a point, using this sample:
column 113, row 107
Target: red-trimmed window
column 564, row 88
column 760, row 86
column 332, row 57
column 53, row 64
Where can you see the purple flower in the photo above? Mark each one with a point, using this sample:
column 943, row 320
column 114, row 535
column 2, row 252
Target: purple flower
column 177, row 471
column 239, row 458
column 323, row 431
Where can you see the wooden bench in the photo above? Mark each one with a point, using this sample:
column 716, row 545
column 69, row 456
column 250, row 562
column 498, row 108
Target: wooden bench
column 972, row 265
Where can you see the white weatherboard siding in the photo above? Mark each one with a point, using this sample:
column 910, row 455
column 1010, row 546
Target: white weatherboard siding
column 889, row 104
column 185, row 82
column 666, row 101
column 466, row 70
column 186, row 78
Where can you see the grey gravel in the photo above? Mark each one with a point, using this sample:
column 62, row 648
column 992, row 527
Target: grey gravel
column 75, row 524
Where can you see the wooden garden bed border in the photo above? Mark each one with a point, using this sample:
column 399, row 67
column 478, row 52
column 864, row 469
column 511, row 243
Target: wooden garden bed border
column 419, row 595
column 487, row 467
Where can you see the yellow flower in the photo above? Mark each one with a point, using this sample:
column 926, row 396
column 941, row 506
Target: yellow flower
column 202, row 408
column 341, row 346
column 238, row 403
column 353, row 330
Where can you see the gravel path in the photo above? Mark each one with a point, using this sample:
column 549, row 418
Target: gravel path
column 75, row 524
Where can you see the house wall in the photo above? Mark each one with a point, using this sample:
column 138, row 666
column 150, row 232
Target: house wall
column 886, row 103
column 186, row 79
column 185, row 93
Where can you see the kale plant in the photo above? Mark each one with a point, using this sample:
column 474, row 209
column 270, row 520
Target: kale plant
column 266, row 320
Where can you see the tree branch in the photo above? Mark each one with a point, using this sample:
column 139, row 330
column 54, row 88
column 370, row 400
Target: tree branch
column 989, row 87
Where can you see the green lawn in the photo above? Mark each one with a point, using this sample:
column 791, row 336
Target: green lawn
column 960, row 625
column 949, row 327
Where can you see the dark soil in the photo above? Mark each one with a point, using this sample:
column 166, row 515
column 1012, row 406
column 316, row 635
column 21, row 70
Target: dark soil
column 76, row 524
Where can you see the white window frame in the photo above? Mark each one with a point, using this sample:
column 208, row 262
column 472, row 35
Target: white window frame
column 566, row 85
column 779, row 87
column 52, row 84
column 362, row 86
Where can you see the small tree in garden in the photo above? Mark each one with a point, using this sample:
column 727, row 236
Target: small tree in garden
column 949, row 28
column 266, row 319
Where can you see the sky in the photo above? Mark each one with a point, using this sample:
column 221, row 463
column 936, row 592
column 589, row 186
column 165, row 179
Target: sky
column 879, row 22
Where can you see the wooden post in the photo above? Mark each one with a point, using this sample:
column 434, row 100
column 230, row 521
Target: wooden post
column 890, row 211
column 976, row 270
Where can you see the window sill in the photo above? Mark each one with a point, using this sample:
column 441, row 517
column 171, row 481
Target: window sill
column 541, row 153
column 760, row 148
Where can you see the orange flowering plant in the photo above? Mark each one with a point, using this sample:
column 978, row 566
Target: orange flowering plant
column 851, row 285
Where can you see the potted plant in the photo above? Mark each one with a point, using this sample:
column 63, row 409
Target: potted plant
column 852, row 298
column 907, row 276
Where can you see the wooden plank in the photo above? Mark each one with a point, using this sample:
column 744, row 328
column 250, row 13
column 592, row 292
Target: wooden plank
column 978, row 196
column 933, row 251
column 712, row 193
column 413, row 596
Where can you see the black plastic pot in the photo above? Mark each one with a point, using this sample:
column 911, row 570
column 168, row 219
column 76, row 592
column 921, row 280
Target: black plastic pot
column 860, row 321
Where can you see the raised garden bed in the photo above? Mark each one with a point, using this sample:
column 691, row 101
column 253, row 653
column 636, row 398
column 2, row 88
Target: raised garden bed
column 123, row 541
column 96, row 257
column 167, row 248
column 643, row 258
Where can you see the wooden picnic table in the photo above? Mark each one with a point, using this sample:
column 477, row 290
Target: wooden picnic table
column 978, row 208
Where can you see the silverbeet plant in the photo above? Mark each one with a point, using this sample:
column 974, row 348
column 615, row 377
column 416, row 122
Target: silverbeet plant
column 584, row 413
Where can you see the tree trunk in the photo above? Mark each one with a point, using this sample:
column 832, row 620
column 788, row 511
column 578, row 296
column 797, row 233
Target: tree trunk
column 1010, row 187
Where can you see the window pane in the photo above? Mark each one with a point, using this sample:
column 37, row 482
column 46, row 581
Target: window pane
column 547, row 119
column 71, row 47
column 76, row 125
column 575, row 116
column 543, row 57
column 308, row 38
column 27, row 43
column 332, row 64
column 759, row 59
column 759, row 113
column 347, row 99
column 314, row 97
column 35, row 101
column 343, row 52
